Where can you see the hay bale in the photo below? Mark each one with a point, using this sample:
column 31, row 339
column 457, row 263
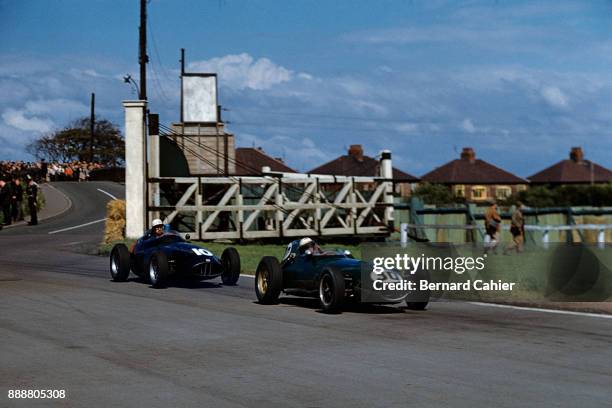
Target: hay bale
column 115, row 221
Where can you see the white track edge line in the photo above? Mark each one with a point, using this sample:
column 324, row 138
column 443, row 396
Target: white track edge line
column 77, row 226
column 107, row 193
column 537, row 309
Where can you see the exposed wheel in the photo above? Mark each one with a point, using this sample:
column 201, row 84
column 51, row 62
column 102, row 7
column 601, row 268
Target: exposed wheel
column 230, row 259
column 120, row 263
column 331, row 290
column 158, row 270
column 418, row 299
column 268, row 280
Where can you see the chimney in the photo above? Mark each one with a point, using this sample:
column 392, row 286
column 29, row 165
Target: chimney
column 576, row 154
column 468, row 154
column 356, row 151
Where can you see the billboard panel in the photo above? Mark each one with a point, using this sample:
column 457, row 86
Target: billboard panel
column 199, row 98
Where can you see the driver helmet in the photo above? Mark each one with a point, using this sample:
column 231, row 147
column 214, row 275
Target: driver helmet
column 156, row 222
column 306, row 242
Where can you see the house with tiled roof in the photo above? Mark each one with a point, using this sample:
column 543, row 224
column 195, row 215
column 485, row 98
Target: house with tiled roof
column 251, row 160
column 356, row 164
column 475, row 179
column 575, row 170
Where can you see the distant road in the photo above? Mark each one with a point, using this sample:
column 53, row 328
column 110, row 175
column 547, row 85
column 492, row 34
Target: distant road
column 88, row 204
column 65, row 325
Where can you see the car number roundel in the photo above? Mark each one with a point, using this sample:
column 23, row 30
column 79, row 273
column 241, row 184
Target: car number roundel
column 201, row 251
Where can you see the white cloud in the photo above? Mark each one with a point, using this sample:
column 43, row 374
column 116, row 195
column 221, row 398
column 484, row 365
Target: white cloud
column 354, row 87
column 303, row 75
column 554, row 97
column 243, row 71
column 370, row 108
column 19, row 120
column 468, row 125
column 310, row 154
column 407, row 127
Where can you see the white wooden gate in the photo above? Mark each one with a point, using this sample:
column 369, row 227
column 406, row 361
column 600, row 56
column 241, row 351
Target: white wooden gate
column 274, row 206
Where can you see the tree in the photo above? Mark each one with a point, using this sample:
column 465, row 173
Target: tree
column 439, row 194
column 565, row 195
column 72, row 143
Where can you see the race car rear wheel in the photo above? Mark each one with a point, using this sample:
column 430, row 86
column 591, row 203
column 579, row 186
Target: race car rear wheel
column 158, row 270
column 331, row 290
column 418, row 300
column 230, row 259
column 120, row 263
column 268, row 280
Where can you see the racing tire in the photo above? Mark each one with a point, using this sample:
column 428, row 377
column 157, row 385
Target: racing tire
column 158, row 270
column 230, row 259
column 420, row 298
column 268, row 280
column 331, row 290
column 120, row 263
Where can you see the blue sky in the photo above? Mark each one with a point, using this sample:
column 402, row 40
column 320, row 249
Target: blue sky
column 521, row 82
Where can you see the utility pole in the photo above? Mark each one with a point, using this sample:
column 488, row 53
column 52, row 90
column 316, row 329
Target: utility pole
column 92, row 124
column 142, row 50
column 182, row 73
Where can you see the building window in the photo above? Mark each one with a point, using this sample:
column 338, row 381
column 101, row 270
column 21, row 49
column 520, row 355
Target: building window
column 503, row 192
column 479, row 193
column 521, row 187
column 460, row 190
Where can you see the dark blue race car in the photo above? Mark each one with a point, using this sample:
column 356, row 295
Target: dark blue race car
column 159, row 258
column 334, row 277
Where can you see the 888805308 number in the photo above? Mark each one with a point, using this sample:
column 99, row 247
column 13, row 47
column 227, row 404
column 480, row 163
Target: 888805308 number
column 36, row 394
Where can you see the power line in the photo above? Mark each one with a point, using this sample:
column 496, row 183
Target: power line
column 379, row 129
column 248, row 167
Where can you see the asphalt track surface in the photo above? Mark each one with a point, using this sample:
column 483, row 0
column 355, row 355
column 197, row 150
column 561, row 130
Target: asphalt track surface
column 65, row 325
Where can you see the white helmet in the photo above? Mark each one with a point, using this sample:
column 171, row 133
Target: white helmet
column 306, row 241
column 156, row 222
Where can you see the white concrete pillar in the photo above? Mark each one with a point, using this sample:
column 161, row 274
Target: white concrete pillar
column 601, row 238
column 135, row 165
column 386, row 172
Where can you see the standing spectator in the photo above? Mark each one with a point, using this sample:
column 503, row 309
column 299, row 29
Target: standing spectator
column 16, row 200
column 32, row 193
column 68, row 172
column 44, row 168
column 5, row 203
column 83, row 173
column 517, row 229
column 492, row 227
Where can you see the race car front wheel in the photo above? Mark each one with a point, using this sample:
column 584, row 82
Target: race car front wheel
column 331, row 290
column 230, row 259
column 158, row 270
column 120, row 263
column 268, row 280
column 419, row 299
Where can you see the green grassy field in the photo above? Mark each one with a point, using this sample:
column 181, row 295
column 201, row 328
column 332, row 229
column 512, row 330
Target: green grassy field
column 531, row 270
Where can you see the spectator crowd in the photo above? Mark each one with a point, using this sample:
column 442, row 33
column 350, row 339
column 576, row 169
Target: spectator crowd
column 19, row 188
column 43, row 171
